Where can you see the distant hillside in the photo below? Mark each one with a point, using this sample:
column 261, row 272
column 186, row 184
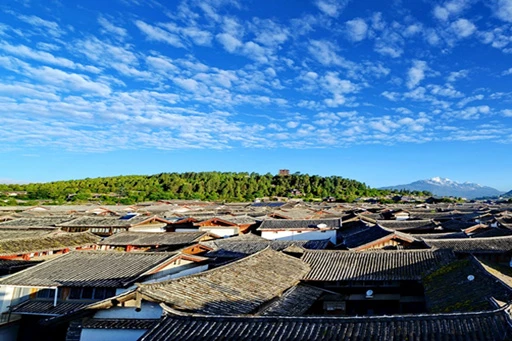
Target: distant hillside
column 204, row 185
column 507, row 195
column 448, row 188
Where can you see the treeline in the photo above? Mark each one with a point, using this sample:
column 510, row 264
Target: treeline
column 212, row 186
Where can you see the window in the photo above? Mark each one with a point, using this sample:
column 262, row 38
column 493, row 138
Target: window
column 87, row 293
column 91, row 293
column 46, row 293
column 75, row 293
column 99, row 293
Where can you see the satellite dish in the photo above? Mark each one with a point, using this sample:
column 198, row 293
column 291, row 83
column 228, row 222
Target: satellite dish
column 471, row 278
column 369, row 293
column 322, row 226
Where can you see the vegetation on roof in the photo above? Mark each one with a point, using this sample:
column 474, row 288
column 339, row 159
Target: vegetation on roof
column 449, row 289
column 47, row 242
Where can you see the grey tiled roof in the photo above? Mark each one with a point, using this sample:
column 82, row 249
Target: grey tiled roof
column 485, row 326
column 13, row 233
column 46, row 242
column 36, row 221
column 151, row 238
column 456, row 225
column 337, row 265
column 88, row 269
column 112, row 323
column 10, row 266
column 237, row 288
column 474, row 245
column 449, row 290
column 240, row 248
column 35, row 307
column 284, row 224
column 295, row 302
column 407, row 225
column 365, row 236
column 93, row 221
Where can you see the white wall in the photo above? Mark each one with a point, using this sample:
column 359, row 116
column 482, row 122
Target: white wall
column 185, row 272
column 183, row 229
column 149, row 310
column 5, row 298
column 223, row 232
column 111, row 334
column 297, row 235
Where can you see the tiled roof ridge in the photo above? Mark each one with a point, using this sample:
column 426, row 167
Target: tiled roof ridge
column 323, row 318
column 470, row 238
column 433, row 249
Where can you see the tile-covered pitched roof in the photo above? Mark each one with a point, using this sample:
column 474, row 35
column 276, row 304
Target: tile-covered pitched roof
column 46, row 242
column 88, row 269
column 289, row 224
column 501, row 272
column 10, row 266
column 449, row 289
column 295, row 302
column 237, row 288
column 113, row 323
column 407, row 225
column 14, row 233
column 36, row 221
column 241, row 248
column 95, row 221
column 365, row 236
column 152, row 238
column 455, row 224
column 36, row 307
column 334, row 265
column 484, row 326
column 474, row 245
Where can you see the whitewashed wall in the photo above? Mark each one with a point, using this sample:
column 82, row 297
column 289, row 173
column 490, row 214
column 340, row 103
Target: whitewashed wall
column 111, row 334
column 296, row 235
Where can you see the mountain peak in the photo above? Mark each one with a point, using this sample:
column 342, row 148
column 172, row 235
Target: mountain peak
column 446, row 187
column 440, row 180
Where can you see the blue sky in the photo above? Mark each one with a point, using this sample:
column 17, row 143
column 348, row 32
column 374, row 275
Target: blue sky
column 381, row 92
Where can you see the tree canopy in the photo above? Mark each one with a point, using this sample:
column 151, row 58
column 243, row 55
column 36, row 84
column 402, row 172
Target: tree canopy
column 214, row 186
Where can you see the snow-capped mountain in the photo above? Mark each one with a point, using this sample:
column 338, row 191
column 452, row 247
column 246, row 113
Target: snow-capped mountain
column 449, row 188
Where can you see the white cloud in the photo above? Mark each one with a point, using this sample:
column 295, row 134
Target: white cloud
column 412, row 30
column 463, row 28
column 446, row 91
column 356, row 29
column 441, row 13
column 416, row 73
column 230, row 43
column 108, row 27
column 198, row 36
column 456, row 75
column 41, row 56
column 292, row 124
column 325, row 53
column 46, row 26
column 450, row 9
column 68, row 80
column 157, row 34
column 502, row 9
column 331, row 7
column 507, row 72
column 507, row 112
column 470, row 99
column 255, row 51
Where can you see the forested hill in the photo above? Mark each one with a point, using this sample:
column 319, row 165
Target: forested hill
column 205, row 186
